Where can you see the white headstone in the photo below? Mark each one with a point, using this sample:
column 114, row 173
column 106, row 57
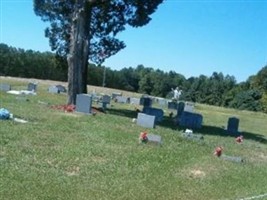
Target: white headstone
column 189, row 107
column 135, row 101
column 144, row 120
column 53, row 89
column 122, row 99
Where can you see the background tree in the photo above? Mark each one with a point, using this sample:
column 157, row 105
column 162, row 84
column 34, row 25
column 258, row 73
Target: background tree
column 86, row 29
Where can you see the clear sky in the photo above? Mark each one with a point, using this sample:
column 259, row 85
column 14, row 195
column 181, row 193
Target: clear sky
column 189, row 37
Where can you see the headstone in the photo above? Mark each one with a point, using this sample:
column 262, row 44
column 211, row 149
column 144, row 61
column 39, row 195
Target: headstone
column 162, row 102
column 61, row 88
column 232, row 126
column 135, row 101
column 114, row 95
column 158, row 113
column 146, row 101
column 106, row 99
column 189, row 107
column 53, row 89
column 172, row 105
column 180, row 109
column 232, row 158
column 144, row 120
column 121, row 99
column 32, row 87
column 96, row 97
column 154, row 138
column 190, row 120
column 83, row 103
column 5, row 87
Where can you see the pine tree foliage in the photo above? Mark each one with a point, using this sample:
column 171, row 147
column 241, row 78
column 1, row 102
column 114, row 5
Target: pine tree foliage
column 87, row 29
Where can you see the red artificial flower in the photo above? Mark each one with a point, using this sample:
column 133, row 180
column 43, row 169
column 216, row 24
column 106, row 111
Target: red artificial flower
column 218, row 151
column 239, row 139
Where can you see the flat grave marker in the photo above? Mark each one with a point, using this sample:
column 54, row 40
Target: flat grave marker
column 154, row 139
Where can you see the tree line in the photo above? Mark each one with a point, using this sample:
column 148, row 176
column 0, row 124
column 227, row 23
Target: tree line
column 218, row 89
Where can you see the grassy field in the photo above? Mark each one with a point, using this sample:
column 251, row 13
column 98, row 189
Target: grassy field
column 58, row 155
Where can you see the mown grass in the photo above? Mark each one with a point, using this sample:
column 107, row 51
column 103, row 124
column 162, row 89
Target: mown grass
column 59, row 155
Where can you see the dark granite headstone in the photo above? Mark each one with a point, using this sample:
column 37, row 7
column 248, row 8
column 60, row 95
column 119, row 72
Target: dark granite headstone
column 158, row 113
column 146, row 101
column 61, row 88
column 83, row 103
column 106, row 99
column 172, row 105
column 232, row 126
column 190, row 120
column 32, row 87
column 180, row 109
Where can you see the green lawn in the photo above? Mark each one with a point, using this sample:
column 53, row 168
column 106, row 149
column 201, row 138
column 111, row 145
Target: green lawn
column 59, row 155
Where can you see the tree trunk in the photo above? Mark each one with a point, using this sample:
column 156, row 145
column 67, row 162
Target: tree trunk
column 79, row 51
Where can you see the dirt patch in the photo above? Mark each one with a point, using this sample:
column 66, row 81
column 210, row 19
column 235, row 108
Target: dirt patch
column 98, row 159
column 73, row 171
column 196, row 173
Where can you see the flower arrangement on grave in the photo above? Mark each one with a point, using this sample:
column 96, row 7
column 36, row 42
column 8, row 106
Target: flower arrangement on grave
column 65, row 108
column 143, row 137
column 239, row 139
column 218, row 151
column 69, row 108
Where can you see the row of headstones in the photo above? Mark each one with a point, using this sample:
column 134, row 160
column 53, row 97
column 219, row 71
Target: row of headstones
column 150, row 115
column 56, row 89
column 139, row 101
column 7, row 87
column 84, row 105
column 187, row 118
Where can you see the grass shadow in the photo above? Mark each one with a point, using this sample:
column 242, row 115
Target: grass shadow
column 122, row 112
column 217, row 131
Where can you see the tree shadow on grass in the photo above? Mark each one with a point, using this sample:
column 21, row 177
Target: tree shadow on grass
column 123, row 112
column 168, row 122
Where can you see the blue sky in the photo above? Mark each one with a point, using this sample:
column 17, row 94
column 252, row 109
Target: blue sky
column 189, row 37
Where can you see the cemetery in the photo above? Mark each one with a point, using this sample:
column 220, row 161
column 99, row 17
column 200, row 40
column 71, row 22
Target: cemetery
column 119, row 150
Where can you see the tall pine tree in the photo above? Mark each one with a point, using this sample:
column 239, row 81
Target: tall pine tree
column 87, row 29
